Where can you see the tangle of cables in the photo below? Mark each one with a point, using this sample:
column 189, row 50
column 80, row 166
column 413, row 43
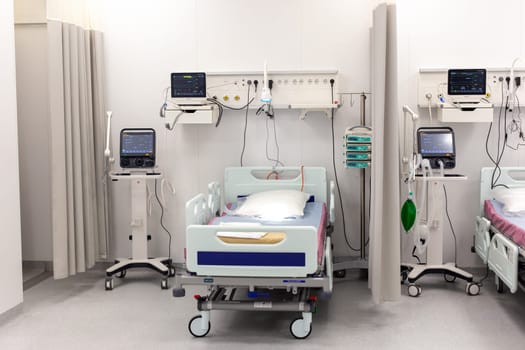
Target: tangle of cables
column 505, row 130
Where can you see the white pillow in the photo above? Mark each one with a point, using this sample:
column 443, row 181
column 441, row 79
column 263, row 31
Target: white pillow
column 513, row 199
column 274, row 204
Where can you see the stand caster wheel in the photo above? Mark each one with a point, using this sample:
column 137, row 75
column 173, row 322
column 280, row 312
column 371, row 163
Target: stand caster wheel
column 449, row 278
column 121, row 274
column 472, row 288
column 298, row 329
column 171, row 271
column 108, row 285
column 340, row 273
column 164, row 283
column 500, row 286
column 195, row 327
column 414, row 290
column 404, row 276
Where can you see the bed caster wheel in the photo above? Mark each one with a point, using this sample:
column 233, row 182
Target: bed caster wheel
column 449, row 278
column 171, row 271
column 299, row 330
column 164, row 283
column 472, row 288
column 414, row 290
column 108, row 285
column 500, row 286
column 195, row 327
column 121, row 274
column 340, row 273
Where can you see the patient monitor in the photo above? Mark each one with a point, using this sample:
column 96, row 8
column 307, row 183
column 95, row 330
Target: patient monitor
column 467, row 84
column 437, row 145
column 188, row 88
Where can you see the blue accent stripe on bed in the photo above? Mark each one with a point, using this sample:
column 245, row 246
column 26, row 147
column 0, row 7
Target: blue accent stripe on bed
column 250, row 259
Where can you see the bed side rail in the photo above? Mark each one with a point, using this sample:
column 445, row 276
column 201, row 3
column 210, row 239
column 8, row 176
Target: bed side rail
column 214, row 198
column 197, row 211
column 331, row 210
column 503, row 260
column 202, row 239
column 482, row 238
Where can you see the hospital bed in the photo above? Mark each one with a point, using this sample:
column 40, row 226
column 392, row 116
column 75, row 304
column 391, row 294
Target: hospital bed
column 282, row 270
column 499, row 238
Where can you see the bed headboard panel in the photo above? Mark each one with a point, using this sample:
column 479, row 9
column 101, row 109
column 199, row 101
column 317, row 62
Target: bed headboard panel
column 510, row 176
column 248, row 180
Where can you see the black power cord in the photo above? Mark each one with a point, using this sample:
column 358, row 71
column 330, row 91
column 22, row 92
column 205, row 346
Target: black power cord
column 276, row 160
column 162, row 221
column 451, row 227
column 487, row 272
column 415, row 256
column 222, row 106
column 496, row 173
column 369, row 207
column 216, row 101
column 332, row 81
column 246, row 123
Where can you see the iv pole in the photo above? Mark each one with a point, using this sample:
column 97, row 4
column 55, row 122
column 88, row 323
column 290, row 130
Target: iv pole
column 362, row 101
column 342, row 263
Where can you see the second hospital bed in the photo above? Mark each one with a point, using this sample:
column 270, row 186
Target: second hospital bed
column 499, row 238
column 277, row 271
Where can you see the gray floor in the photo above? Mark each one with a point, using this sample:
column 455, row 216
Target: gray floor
column 34, row 272
column 77, row 313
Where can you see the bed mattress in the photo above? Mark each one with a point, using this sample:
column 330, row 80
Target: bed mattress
column 314, row 215
column 512, row 226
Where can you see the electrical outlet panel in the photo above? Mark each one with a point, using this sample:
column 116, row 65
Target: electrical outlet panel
column 290, row 89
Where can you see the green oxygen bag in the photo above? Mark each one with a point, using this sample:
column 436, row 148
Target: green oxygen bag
column 408, row 214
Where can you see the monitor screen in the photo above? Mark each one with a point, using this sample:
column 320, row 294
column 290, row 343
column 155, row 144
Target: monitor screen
column 467, row 81
column 436, row 143
column 137, row 142
column 187, row 85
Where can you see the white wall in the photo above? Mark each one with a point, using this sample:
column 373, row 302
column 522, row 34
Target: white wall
column 147, row 41
column 443, row 34
column 33, row 129
column 10, row 255
column 30, row 11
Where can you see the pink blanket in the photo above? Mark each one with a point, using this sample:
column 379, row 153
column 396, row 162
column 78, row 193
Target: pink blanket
column 511, row 226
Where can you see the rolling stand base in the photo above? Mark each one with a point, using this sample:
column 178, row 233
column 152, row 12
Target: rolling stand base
column 343, row 263
column 413, row 272
column 160, row 265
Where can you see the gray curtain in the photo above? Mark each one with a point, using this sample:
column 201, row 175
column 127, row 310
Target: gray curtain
column 385, row 210
column 78, row 204
column 99, row 131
